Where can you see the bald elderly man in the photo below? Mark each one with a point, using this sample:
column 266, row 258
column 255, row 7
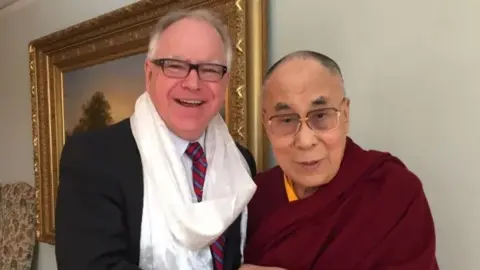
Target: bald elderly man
column 331, row 204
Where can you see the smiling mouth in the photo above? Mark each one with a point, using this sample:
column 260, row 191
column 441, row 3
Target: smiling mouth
column 310, row 165
column 189, row 103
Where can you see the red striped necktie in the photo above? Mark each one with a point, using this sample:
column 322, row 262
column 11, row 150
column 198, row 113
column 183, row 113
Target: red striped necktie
column 199, row 170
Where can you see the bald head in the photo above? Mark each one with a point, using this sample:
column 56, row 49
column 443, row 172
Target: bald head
column 326, row 62
column 303, row 73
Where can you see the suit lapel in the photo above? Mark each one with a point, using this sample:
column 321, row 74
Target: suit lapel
column 232, row 254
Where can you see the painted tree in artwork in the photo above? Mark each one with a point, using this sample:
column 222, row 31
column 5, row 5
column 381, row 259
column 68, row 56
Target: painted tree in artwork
column 96, row 114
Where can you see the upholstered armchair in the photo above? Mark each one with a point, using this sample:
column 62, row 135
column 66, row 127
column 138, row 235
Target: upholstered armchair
column 17, row 226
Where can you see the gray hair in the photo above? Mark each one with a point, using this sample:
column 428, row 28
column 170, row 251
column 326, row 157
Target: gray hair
column 324, row 60
column 199, row 14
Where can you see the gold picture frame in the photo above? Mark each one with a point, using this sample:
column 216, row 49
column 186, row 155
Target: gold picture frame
column 122, row 33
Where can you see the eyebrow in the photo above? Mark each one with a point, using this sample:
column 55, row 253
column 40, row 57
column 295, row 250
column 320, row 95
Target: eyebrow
column 216, row 62
column 319, row 101
column 282, row 107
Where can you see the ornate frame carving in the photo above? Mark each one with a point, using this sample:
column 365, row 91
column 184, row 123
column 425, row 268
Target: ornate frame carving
column 126, row 32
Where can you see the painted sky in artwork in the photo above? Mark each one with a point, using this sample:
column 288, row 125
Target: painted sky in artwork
column 121, row 80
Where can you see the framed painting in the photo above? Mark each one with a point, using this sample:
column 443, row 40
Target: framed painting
column 89, row 75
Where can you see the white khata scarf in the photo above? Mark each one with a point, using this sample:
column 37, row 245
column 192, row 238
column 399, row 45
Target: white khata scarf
column 176, row 232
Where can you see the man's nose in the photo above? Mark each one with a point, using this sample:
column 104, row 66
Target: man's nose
column 191, row 81
column 306, row 137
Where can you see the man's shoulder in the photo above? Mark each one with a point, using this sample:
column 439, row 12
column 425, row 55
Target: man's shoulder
column 247, row 155
column 395, row 170
column 245, row 152
column 99, row 142
column 393, row 180
column 270, row 182
column 269, row 196
column 377, row 170
column 103, row 136
column 266, row 177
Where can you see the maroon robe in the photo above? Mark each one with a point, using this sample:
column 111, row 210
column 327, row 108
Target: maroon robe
column 372, row 216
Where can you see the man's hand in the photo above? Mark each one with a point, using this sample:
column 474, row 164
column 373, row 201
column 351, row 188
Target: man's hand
column 256, row 267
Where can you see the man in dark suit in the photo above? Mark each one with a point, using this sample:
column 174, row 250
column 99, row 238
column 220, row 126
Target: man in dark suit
column 106, row 189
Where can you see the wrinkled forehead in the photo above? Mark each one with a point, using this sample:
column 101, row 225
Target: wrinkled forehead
column 301, row 84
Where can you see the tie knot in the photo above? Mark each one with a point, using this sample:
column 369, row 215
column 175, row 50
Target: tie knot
column 195, row 151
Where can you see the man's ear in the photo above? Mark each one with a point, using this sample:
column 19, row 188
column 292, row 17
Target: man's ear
column 148, row 72
column 227, row 76
column 346, row 110
column 265, row 121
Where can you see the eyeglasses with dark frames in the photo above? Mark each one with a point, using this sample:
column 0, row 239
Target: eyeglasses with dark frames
column 179, row 69
column 320, row 120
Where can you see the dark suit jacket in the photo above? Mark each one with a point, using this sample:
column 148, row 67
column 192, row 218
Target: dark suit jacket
column 100, row 201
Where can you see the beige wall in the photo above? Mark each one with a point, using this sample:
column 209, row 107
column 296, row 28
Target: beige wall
column 411, row 70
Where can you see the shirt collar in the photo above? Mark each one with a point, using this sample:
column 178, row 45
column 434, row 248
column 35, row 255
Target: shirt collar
column 181, row 144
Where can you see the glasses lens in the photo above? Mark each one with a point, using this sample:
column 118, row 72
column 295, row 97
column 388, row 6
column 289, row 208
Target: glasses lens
column 284, row 124
column 211, row 72
column 323, row 120
column 176, row 69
